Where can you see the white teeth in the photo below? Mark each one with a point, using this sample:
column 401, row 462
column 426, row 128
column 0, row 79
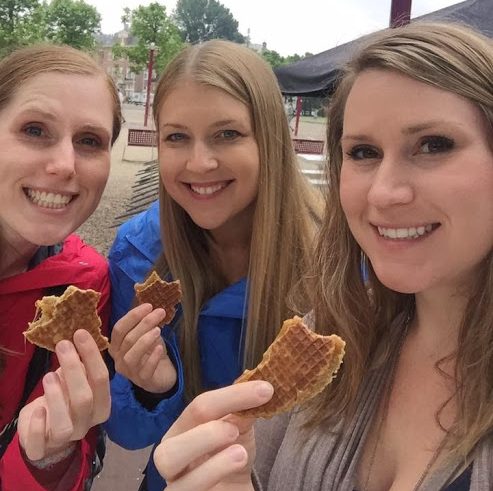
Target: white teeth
column 404, row 233
column 208, row 189
column 48, row 200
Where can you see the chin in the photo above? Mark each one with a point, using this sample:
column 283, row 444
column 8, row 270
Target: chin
column 399, row 282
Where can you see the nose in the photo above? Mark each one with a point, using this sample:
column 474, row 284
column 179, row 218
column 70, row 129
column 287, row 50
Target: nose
column 201, row 158
column 391, row 184
column 61, row 162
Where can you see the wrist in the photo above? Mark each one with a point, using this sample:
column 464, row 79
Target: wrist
column 53, row 459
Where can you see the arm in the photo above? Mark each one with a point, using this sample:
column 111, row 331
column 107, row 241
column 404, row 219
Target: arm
column 133, row 423
column 55, row 445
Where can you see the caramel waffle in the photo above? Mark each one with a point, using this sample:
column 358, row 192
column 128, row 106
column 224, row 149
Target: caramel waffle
column 160, row 294
column 58, row 318
column 299, row 364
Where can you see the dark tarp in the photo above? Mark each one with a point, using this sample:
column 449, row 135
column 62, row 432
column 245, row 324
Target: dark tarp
column 315, row 75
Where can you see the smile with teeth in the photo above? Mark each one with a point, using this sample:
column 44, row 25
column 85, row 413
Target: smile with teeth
column 409, row 233
column 47, row 199
column 208, row 189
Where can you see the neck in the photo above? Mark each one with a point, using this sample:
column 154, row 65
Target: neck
column 15, row 258
column 230, row 246
column 437, row 321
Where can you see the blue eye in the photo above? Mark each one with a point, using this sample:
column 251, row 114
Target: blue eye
column 33, row 130
column 229, row 134
column 175, row 137
column 436, row 144
column 362, row 152
column 90, row 141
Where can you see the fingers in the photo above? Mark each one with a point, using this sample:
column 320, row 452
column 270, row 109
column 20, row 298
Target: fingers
column 34, row 440
column 219, row 403
column 59, row 420
column 176, row 455
column 132, row 326
column 150, row 364
column 137, row 354
column 97, row 376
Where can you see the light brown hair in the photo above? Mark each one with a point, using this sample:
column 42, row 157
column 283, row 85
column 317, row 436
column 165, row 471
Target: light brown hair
column 25, row 63
column 286, row 213
column 452, row 58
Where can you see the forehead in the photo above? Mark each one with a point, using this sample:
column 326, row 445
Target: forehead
column 192, row 97
column 66, row 94
column 391, row 96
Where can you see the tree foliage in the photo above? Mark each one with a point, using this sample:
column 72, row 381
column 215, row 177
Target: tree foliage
column 149, row 25
column 23, row 22
column 72, row 22
column 275, row 59
column 201, row 20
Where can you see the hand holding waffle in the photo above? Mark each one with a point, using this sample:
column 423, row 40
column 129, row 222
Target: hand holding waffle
column 209, row 447
column 139, row 351
column 76, row 398
column 212, row 443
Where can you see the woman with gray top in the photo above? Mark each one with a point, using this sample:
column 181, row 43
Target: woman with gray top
column 410, row 162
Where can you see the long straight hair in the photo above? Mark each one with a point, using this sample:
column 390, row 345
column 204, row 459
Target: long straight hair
column 287, row 208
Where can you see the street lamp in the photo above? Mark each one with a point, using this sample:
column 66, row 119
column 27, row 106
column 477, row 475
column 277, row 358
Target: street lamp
column 152, row 48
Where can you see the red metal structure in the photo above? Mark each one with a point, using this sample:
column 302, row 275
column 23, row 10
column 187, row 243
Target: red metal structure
column 149, row 81
column 400, row 13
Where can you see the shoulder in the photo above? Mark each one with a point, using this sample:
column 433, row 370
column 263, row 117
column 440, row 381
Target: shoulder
column 88, row 268
column 139, row 234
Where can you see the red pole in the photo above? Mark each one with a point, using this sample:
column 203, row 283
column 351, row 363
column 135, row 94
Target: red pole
column 400, row 13
column 149, row 82
column 298, row 114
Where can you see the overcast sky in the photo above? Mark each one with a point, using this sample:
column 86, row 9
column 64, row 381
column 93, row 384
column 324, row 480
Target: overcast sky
column 290, row 26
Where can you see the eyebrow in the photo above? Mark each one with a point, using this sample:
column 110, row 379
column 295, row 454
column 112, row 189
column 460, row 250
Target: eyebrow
column 217, row 124
column 410, row 130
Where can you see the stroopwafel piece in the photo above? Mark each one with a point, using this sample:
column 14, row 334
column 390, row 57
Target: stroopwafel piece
column 299, row 364
column 58, row 318
column 160, row 294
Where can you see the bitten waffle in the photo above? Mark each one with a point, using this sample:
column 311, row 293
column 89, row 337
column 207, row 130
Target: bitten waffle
column 159, row 293
column 299, row 364
column 58, row 318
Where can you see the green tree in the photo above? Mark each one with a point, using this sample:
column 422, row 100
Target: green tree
column 201, row 20
column 21, row 23
column 273, row 58
column 149, row 25
column 72, row 22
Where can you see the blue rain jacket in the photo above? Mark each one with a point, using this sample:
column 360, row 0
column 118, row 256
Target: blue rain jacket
column 133, row 253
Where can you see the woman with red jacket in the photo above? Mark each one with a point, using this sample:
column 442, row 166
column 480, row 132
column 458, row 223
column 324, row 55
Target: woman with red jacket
column 59, row 116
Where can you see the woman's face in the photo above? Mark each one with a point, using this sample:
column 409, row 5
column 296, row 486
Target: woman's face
column 55, row 137
column 417, row 181
column 208, row 156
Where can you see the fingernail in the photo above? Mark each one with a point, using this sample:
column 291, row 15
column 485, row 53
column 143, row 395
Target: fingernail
column 237, row 453
column 49, row 378
column 83, row 335
column 265, row 390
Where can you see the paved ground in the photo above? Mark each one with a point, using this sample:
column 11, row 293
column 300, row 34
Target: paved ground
column 122, row 468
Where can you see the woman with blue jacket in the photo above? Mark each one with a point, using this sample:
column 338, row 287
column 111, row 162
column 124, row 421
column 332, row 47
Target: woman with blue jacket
column 236, row 220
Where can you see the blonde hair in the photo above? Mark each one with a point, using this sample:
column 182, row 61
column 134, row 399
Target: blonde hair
column 449, row 57
column 25, row 63
column 286, row 211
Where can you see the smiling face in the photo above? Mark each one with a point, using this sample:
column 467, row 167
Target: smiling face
column 208, row 156
column 55, row 136
column 416, row 181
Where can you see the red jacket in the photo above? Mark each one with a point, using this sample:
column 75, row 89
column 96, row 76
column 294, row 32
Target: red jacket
column 77, row 264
